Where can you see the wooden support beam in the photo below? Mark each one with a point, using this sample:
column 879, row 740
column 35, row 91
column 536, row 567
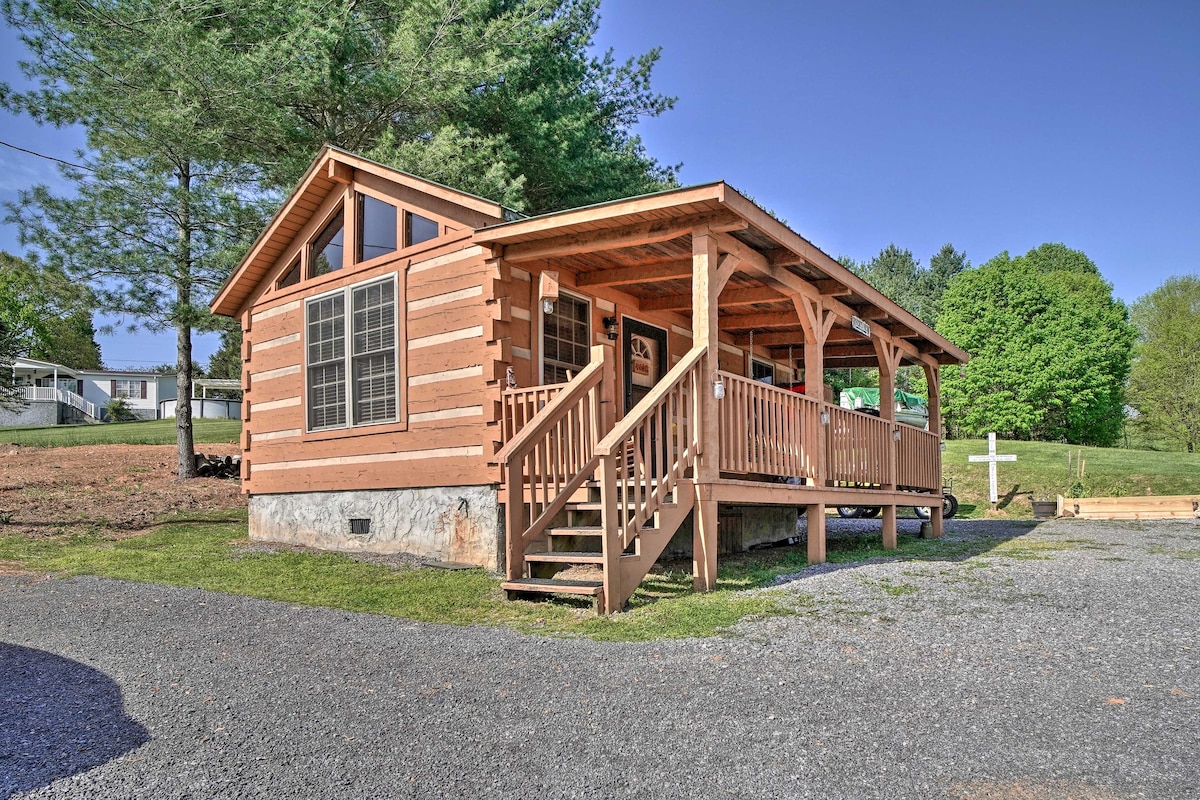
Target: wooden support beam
column 340, row 172
column 625, row 236
column 725, row 269
column 782, row 257
column 729, row 298
column 850, row 362
column 772, row 340
column 816, row 533
column 620, row 276
column 760, row 320
column 832, row 288
column 888, row 356
column 705, row 270
column 889, row 527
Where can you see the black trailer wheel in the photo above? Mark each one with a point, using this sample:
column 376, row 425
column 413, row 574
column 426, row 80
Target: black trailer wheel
column 870, row 512
column 849, row 512
column 949, row 508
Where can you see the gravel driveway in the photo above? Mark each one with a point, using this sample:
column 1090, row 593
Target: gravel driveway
column 1066, row 668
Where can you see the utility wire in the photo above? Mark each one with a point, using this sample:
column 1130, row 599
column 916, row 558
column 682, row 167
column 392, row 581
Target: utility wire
column 48, row 158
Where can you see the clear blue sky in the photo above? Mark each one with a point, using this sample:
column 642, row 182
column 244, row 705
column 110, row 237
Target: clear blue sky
column 994, row 126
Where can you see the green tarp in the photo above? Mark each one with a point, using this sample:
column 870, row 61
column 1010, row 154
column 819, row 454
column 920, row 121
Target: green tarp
column 870, row 398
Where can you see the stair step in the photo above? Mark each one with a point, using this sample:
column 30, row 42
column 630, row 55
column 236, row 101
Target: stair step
column 579, row 530
column 552, row 586
column 567, row 557
column 585, row 507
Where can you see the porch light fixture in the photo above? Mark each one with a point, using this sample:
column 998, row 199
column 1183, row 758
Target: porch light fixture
column 548, row 290
column 824, row 417
column 718, row 387
column 896, row 435
column 610, row 327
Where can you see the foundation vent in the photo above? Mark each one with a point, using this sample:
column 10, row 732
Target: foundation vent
column 360, row 527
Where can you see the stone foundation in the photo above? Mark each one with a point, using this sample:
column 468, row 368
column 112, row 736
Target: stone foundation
column 34, row 412
column 453, row 523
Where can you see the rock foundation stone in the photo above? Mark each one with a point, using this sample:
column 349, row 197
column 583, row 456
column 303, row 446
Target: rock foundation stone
column 454, row 523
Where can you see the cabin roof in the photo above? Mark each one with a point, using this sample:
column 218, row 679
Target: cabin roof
column 322, row 177
column 589, row 240
column 654, row 230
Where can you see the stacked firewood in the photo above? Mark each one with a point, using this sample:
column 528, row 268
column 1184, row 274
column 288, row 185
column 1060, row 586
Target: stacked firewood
column 218, row 466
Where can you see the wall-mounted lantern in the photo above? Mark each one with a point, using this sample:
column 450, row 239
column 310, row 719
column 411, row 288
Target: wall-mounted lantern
column 824, row 417
column 548, row 290
column 610, row 327
column 896, row 435
column 718, row 387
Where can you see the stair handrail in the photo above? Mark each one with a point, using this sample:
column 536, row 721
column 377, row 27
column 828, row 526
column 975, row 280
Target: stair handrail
column 74, row 400
column 553, row 455
column 644, row 492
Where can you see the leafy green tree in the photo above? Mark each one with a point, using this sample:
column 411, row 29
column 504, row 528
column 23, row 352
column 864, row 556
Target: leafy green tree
column 226, row 362
column 901, row 277
column 9, row 345
column 49, row 314
column 1164, row 385
column 1050, row 349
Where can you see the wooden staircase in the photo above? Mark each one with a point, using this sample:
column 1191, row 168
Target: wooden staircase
column 590, row 504
column 577, row 550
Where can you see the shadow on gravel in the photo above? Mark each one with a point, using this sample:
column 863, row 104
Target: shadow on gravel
column 57, row 718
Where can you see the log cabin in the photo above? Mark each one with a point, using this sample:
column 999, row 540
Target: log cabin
column 562, row 395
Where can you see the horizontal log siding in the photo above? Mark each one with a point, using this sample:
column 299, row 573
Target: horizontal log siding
column 447, row 439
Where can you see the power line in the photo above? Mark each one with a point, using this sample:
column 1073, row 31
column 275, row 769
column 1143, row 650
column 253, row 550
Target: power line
column 48, row 158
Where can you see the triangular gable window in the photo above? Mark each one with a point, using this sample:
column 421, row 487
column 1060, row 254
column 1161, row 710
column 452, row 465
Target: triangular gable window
column 327, row 249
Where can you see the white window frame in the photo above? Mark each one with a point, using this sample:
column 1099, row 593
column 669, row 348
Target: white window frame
column 541, row 332
column 348, row 353
column 130, row 382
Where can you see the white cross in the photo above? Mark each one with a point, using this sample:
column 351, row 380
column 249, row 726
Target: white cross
column 991, row 458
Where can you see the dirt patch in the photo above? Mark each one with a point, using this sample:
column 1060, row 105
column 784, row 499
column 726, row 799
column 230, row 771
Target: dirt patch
column 50, row 492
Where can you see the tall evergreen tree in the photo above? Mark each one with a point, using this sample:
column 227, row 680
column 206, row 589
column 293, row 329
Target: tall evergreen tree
column 198, row 113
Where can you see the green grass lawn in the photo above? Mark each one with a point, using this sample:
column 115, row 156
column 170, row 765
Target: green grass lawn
column 1041, row 470
column 161, row 431
column 211, row 553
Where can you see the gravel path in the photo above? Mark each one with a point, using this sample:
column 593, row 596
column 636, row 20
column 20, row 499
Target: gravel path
column 1062, row 664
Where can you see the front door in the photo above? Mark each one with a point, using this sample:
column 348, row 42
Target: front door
column 645, row 359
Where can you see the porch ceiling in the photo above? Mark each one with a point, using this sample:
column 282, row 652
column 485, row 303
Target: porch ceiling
column 643, row 247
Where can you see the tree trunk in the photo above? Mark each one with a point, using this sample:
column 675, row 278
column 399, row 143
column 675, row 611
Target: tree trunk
column 183, row 332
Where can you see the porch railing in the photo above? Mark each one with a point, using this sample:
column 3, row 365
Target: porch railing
column 651, row 449
column 55, row 394
column 767, row 430
column 858, row 447
column 520, row 406
column 552, row 454
column 918, row 459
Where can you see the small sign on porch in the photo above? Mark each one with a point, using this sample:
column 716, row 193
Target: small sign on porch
column 861, row 325
column 992, row 459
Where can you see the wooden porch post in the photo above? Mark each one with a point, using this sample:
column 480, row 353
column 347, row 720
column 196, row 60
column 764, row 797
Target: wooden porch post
column 933, row 379
column 704, row 331
column 889, row 359
column 816, row 323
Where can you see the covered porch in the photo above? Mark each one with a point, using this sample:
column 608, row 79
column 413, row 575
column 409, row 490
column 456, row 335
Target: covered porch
column 750, row 293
